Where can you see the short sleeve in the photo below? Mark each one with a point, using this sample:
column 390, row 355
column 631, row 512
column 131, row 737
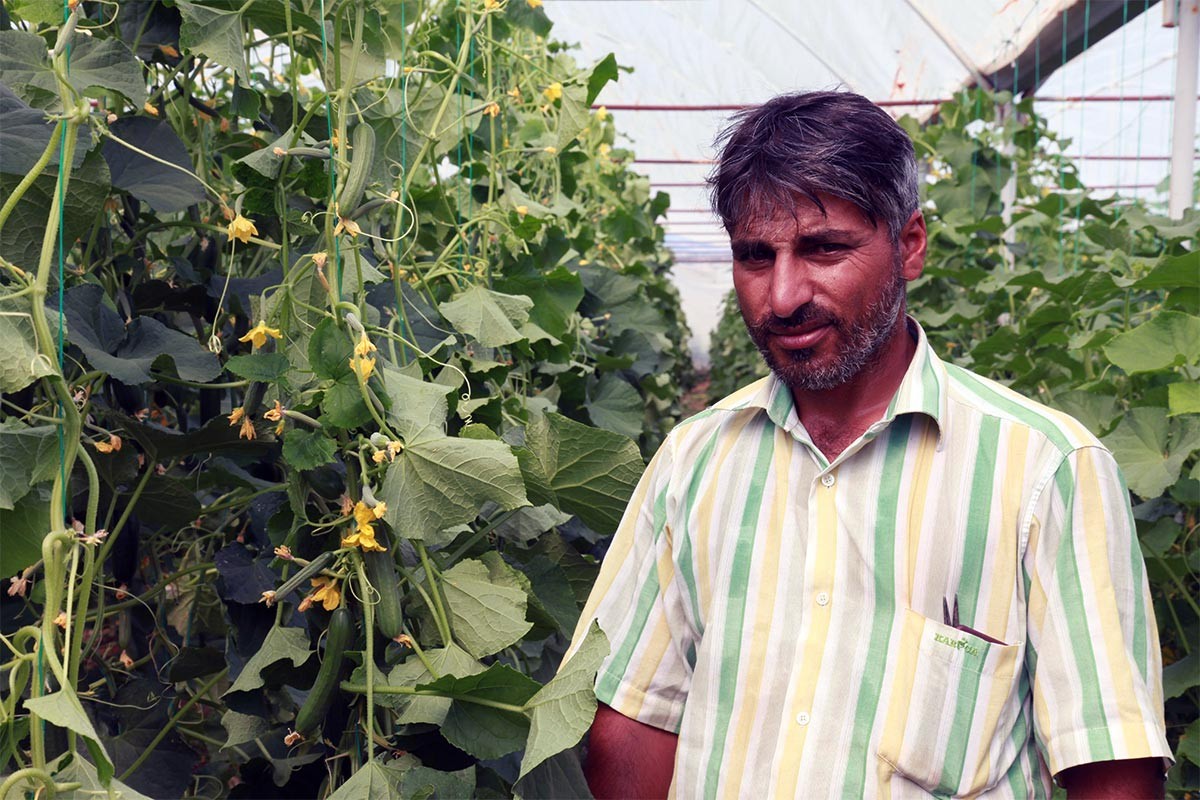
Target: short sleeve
column 638, row 603
column 1093, row 651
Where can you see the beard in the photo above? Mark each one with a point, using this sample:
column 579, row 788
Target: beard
column 860, row 341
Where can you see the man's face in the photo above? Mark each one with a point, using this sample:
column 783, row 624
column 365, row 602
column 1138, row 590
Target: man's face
column 821, row 294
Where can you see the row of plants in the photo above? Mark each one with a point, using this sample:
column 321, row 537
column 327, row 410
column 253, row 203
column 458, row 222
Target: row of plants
column 333, row 335
column 1086, row 304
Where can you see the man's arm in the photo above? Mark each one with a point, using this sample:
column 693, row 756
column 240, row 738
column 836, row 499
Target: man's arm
column 1114, row 780
column 627, row 758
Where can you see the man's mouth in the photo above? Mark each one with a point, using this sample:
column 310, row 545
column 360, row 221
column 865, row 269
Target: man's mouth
column 801, row 337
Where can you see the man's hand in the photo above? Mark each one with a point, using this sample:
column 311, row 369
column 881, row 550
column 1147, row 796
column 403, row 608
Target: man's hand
column 627, row 758
column 1132, row 779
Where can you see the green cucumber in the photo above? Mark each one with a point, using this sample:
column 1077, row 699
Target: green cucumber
column 381, row 573
column 363, row 141
column 254, row 397
column 337, row 639
column 310, row 570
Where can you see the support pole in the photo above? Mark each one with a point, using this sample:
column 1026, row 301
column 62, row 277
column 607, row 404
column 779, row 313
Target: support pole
column 1183, row 134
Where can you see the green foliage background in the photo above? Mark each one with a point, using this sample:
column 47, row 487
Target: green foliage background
column 427, row 310
column 1088, row 305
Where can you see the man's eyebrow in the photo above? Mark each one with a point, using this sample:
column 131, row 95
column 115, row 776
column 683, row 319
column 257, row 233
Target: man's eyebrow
column 808, row 237
column 828, row 234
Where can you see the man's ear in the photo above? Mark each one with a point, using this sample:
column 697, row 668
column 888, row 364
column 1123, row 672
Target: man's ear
column 913, row 243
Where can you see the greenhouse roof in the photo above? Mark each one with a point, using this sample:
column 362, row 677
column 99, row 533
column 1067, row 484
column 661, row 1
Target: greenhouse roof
column 1102, row 72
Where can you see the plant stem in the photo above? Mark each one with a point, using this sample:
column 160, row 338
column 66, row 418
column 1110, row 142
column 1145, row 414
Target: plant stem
column 440, row 610
column 360, row 688
column 29, row 773
column 38, row 167
column 364, row 586
column 172, row 722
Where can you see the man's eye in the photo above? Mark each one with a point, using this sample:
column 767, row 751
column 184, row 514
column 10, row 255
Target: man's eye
column 753, row 256
column 830, row 247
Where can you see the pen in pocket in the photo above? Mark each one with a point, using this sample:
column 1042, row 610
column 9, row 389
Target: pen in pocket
column 951, row 619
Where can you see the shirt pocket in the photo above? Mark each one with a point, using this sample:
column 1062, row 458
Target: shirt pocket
column 953, row 703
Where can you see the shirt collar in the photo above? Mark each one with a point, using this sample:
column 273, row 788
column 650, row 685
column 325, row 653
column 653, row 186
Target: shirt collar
column 921, row 391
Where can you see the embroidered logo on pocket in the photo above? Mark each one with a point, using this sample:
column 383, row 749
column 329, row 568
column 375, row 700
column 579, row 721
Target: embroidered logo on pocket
column 958, row 644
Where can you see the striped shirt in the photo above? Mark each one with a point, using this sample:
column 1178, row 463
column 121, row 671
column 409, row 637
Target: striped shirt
column 784, row 614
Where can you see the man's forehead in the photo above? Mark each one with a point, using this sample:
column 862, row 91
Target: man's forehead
column 799, row 218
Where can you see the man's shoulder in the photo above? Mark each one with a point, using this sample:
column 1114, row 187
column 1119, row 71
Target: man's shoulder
column 973, row 394
column 691, row 435
column 747, row 398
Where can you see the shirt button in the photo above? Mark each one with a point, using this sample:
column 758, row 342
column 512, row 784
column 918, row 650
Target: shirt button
column 827, row 479
column 802, row 718
column 822, row 598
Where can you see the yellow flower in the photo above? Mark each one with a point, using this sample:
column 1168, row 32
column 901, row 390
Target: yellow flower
column 236, row 416
column 363, row 367
column 319, row 259
column 552, row 150
column 553, row 91
column 348, row 226
column 149, row 109
column 364, row 347
column 602, row 113
column 364, row 515
column 515, row 93
column 259, row 333
column 534, row 3
column 491, row 4
column 364, row 534
column 327, row 593
column 379, row 510
column 604, row 149
column 522, row 210
column 241, row 229
column 247, row 431
column 394, row 447
column 492, row 109
column 379, row 456
column 276, row 413
column 111, row 446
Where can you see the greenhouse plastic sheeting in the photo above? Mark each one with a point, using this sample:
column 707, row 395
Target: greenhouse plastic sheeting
column 734, row 52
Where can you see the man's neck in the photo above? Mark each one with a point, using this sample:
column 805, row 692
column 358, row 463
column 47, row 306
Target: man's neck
column 836, row 417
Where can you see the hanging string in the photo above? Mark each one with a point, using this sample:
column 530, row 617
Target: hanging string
column 460, row 177
column 1061, row 161
column 332, row 204
column 62, row 202
column 1083, row 62
column 974, row 171
column 1121, row 101
column 60, row 411
column 1137, row 164
column 1037, row 83
column 470, row 135
column 1015, row 166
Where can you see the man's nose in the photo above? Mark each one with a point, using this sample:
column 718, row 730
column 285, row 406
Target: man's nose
column 791, row 285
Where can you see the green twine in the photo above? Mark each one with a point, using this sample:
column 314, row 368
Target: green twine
column 1062, row 171
column 1087, row 16
column 1137, row 164
column 1121, row 102
column 461, row 176
column 62, row 259
column 337, row 250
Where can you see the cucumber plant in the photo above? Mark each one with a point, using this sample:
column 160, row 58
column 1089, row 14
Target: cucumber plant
column 332, row 339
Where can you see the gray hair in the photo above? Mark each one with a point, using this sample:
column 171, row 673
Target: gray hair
column 804, row 144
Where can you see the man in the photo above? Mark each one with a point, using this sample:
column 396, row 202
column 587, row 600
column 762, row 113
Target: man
column 870, row 574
